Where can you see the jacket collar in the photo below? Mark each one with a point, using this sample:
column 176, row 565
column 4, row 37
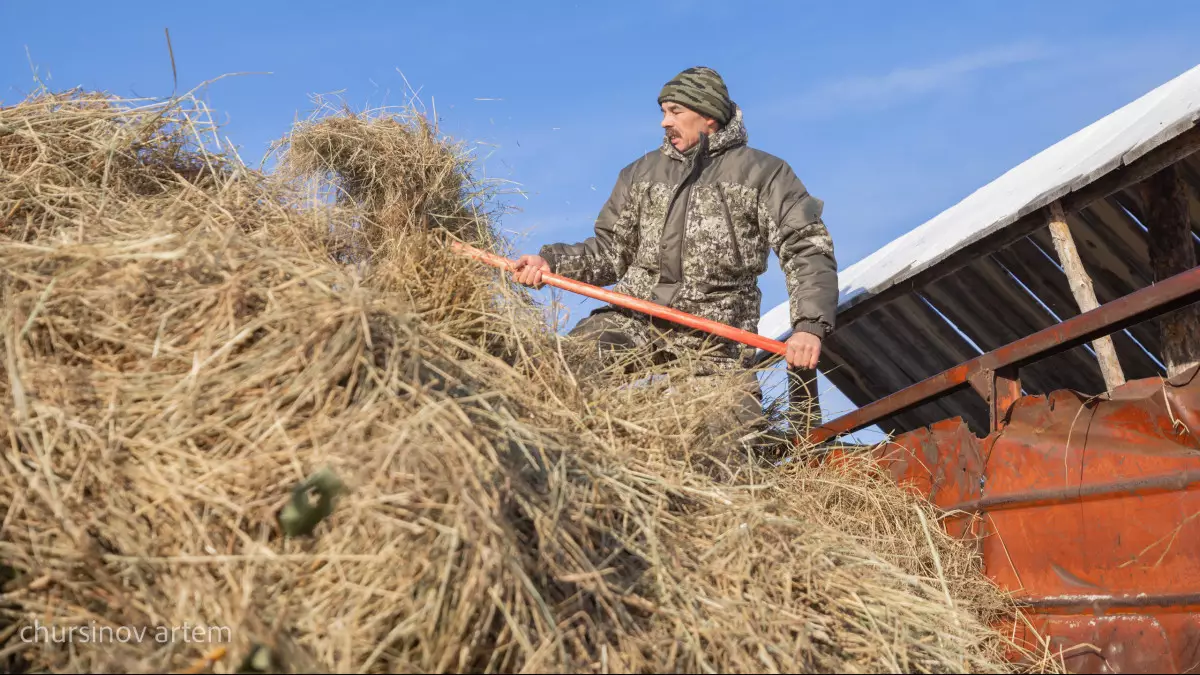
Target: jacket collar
column 731, row 136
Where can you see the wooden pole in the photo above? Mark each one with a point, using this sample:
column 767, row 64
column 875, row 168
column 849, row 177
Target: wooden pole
column 1172, row 250
column 1085, row 294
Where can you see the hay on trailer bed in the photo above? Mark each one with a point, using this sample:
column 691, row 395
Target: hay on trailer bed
column 181, row 349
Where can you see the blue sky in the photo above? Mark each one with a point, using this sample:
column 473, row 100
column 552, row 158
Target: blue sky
column 890, row 112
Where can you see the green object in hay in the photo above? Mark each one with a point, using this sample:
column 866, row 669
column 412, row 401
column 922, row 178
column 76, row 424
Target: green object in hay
column 259, row 660
column 301, row 515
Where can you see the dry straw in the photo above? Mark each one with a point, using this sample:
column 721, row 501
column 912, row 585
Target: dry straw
column 181, row 347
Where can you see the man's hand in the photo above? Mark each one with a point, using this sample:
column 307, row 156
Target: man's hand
column 529, row 270
column 803, row 350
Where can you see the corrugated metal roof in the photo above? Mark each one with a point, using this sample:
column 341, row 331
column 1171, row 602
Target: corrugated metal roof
column 1017, row 290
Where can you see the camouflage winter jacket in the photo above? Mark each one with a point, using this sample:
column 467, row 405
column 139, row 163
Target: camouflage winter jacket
column 694, row 233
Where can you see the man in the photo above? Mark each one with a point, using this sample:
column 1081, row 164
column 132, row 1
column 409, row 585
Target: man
column 690, row 226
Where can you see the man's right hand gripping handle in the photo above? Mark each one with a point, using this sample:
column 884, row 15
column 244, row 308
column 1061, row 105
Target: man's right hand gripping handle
column 529, row 270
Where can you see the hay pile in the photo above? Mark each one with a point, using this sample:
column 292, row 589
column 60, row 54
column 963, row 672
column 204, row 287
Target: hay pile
column 181, row 347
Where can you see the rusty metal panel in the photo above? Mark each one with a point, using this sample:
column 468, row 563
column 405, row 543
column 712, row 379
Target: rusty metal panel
column 1088, row 511
column 1108, row 484
column 1026, row 260
column 1139, row 643
column 942, row 463
column 987, row 305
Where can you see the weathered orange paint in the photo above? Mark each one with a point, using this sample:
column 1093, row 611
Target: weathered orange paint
column 1088, row 510
column 1122, row 643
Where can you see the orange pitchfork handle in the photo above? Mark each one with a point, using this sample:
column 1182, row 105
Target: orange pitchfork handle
column 629, row 302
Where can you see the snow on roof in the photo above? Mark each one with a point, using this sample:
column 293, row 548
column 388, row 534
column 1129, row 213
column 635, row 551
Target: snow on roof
column 1064, row 167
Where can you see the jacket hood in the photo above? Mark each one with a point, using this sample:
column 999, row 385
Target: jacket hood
column 731, row 135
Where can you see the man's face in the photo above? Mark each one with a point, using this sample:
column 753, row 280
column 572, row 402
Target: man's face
column 684, row 125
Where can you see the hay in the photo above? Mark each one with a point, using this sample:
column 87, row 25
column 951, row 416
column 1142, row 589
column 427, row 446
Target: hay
column 402, row 178
column 181, row 349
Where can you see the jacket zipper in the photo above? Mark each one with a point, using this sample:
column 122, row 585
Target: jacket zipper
column 737, row 250
column 689, row 176
column 692, row 175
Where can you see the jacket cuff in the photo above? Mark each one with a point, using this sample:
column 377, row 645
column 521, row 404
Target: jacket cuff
column 550, row 255
column 817, row 328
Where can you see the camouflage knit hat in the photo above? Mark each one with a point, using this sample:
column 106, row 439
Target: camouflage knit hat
column 700, row 89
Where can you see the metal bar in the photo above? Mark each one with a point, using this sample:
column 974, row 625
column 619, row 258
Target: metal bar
column 1006, row 389
column 1142, row 486
column 999, row 389
column 1154, row 300
column 629, row 302
column 1109, row 604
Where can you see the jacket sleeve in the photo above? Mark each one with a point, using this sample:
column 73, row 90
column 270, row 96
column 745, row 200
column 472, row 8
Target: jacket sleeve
column 601, row 260
column 800, row 239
